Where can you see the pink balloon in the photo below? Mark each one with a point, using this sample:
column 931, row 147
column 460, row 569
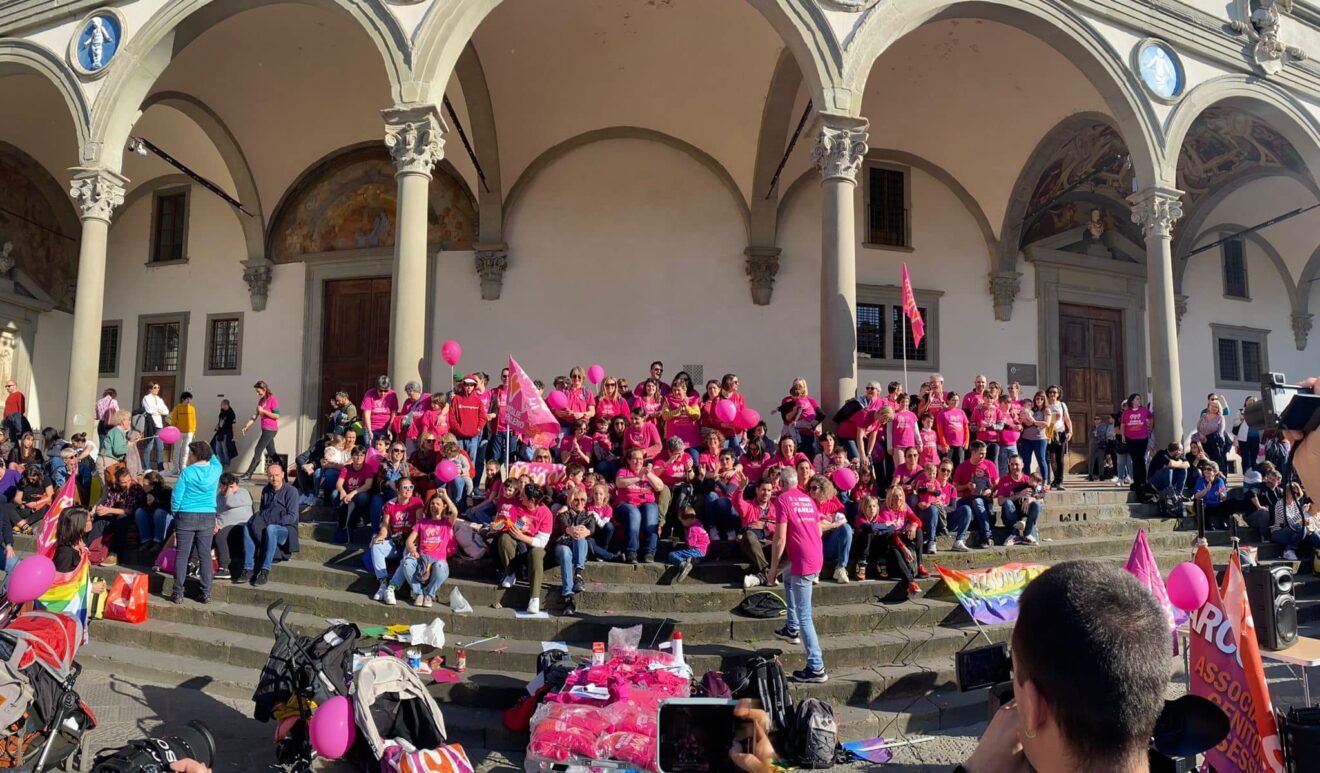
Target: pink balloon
column 557, row 400
column 169, row 434
column 1188, row 587
column 844, row 478
column 747, row 419
column 451, row 352
column 595, row 374
column 31, row 578
column 446, row 471
column 332, row 729
column 726, row 411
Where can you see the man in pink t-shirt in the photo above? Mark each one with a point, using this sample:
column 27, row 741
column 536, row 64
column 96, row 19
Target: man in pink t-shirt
column 975, row 481
column 797, row 532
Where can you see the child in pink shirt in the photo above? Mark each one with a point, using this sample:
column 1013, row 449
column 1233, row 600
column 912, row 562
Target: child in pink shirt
column 952, row 428
column 903, row 430
column 930, row 441
column 698, row 542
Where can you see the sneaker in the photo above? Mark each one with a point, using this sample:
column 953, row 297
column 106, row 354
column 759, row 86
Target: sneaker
column 986, row 541
column 419, row 601
column 1030, row 539
column 261, row 577
column 570, row 606
column 931, row 548
column 732, row 535
column 923, row 571
column 961, row 547
column 428, row 602
column 508, row 581
column 789, row 635
column 630, row 558
column 752, row 581
column 1010, row 540
column 534, row 606
column 810, row 676
column 713, row 533
column 815, row 579
column 577, row 581
column 914, row 589
column 206, row 600
column 860, row 573
column 390, row 599
column 684, row 569
column 223, row 574
column 1289, row 555
column 242, row 577
column 648, row 558
column 380, row 591
column 176, row 598
column 841, row 575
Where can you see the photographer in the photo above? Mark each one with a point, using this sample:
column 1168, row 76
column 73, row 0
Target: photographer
column 1090, row 666
column 1306, row 461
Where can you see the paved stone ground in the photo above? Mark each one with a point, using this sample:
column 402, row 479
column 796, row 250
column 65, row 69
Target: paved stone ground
column 130, row 708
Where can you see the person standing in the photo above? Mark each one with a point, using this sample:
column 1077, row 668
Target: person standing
column 379, row 407
column 15, row 408
column 106, row 408
column 1136, row 425
column 1059, row 430
column 156, row 410
column 268, row 413
column 222, row 439
column 184, row 418
column 468, row 416
column 797, row 533
column 193, row 503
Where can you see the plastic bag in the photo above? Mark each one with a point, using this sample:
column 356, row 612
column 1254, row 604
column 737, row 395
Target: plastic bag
column 127, row 601
column 633, row 748
column 457, row 603
column 433, row 633
column 625, row 640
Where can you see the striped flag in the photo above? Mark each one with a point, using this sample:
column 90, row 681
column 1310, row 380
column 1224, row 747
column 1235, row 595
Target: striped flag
column 70, row 593
column 68, row 497
column 911, row 310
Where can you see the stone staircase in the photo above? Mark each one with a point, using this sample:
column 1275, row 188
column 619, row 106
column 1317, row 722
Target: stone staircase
column 891, row 662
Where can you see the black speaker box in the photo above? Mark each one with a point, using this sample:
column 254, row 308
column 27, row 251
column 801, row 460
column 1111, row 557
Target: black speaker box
column 1273, row 608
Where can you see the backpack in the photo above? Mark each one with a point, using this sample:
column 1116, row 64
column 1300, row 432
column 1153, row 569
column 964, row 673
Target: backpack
column 762, row 605
column 850, row 407
column 713, row 686
column 1170, row 506
column 763, row 679
column 555, row 666
column 813, row 736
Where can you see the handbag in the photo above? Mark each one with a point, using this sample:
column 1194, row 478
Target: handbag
column 127, row 600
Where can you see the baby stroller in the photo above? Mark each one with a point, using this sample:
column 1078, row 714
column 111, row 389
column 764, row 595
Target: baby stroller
column 43, row 721
column 398, row 718
column 301, row 673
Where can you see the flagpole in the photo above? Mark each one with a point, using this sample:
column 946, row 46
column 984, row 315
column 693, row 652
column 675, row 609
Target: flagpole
column 904, row 315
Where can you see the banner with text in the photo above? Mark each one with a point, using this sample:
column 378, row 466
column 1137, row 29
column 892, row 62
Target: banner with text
column 991, row 595
column 528, row 416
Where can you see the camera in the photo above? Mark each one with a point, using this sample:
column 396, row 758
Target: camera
column 1283, row 406
column 192, row 741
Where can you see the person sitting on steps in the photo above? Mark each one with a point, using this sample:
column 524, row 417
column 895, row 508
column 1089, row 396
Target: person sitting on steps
column 274, row 526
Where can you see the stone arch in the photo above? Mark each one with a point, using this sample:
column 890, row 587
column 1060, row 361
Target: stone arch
column 485, row 144
column 1191, row 227
column 1042, row 156
column 553, row 154
column 25, row 57
column 915, row 161
column 1256, row 238
column 148, row 52
column 1310, row 275
column 1054, row 24
column 144, row 190
column 47, row 230
column 245, row 186
column 1254, row 95
column 318, row 212
column 448, row 26
column 776, row 120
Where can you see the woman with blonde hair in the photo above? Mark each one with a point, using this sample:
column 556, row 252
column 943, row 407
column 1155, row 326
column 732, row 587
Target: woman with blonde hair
column 801, row 414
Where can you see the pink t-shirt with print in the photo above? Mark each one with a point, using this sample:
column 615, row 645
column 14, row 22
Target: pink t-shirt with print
column 644, row 437
column 795, row 511
column 381, row 406
column 953, row 425
column 904, row 426
column 435, row 539
column 271, row 403
column 1136, row 423
column 930, row 450
column 674, row 471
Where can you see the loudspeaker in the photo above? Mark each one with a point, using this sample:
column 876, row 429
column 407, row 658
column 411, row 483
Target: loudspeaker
column 1273, row 608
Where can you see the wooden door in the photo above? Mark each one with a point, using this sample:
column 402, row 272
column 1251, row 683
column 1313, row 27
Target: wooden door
column 162, row 343
column 355, row 343
column 1091, row 359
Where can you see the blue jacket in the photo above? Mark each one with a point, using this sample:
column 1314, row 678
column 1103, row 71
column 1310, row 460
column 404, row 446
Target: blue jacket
column 195, row 491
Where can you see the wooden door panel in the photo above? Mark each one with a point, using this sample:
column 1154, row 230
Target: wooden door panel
column 1091, row 360
column 355, row 344
column 1075, row 384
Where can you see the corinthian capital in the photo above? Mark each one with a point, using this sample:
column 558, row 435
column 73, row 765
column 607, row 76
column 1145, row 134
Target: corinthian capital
column 1301, row 325
column 414, row 137
column 840, row 146
column 1156, row 210
column 1004, row 289
column 97, row 191
column 762, row 267
column 491, row 260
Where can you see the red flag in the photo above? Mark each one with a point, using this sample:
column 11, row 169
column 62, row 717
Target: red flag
column 1226, row 669
column 68, row 497
column 911, row 310
column 528, row 416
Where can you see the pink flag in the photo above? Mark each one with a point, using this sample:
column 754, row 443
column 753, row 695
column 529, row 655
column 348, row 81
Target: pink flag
column 528, row 415
column 1141, row 564
column 68, row 497
column 911, row 310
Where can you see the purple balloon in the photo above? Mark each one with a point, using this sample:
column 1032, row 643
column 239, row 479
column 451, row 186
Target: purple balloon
column 726, row 411
column 169, row 435
column 557, row 400
column 332, row 729
column 446, row 471
column 1188, row 587
column 31, row 578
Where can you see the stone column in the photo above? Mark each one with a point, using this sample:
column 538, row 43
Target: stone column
column 413, row 137
column 840, row 149
column 1156, row 209
column 98, row 192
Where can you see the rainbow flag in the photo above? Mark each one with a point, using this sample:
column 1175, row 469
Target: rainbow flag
column 68, row 497
column 991, row 595
column 70, row 593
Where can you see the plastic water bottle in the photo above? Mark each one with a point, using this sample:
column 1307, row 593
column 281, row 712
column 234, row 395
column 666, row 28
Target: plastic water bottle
column 676, row 647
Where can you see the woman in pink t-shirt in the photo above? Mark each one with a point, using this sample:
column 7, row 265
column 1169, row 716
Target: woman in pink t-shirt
column 609, row 403
column 379, row 407
column 524, row 538
column 682, row 416
column 1135, row 425
column 903, row 429
column 987, row 421
column 787, row 454
column 642, row 434
column 650, row 401
column 930, row 441
column 268, row 413
column 430, row 544
column 635, row 490
column 1010, row 432
column 801, row 414
column 576, row 447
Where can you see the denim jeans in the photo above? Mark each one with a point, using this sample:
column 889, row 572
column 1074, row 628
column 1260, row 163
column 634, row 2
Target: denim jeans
column 459, row 489
column 382, row 552
column 599, row 545
column 1034, row 449
column 719, row 513
column 411, row 569
column 496, row 448
column 1124, row 470
column 153, row 524
column 378, row 502
column 930, row 522
column 679, row 555
column 324, row 480
column 359, row 503
column 973, row 509
column 154, row 458
column 570, row 557
column 483, row 514
column 638, row 517
column 837, row 544
column 1006, row 451
column 219, row 447
column 1167, row 477
column 799, row 616
column 471, row 445
column 273, row 536
column 1295, row 539
column 195, row 531
column 1011, row 514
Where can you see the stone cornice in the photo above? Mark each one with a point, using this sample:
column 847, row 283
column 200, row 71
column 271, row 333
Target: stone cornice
column 20, row 15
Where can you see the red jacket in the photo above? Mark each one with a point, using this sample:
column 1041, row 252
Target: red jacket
column 467, row 414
